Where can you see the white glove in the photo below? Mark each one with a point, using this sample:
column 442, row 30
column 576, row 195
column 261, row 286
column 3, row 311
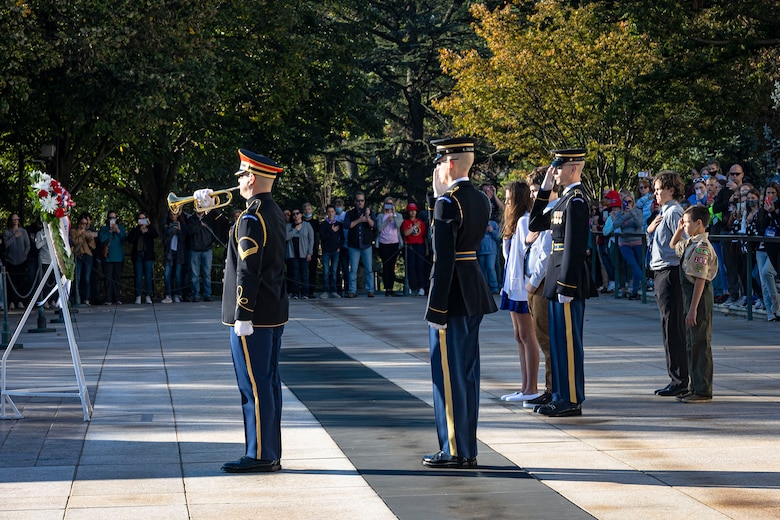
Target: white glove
column 437, row 326
column 203, row 198
column 549, row 179
column 565, row 299
column 438, row 187
column 243, row 328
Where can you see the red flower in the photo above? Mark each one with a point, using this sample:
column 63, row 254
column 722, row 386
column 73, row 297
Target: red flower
column 59, row 212
column 42, row 194
column 56, row 189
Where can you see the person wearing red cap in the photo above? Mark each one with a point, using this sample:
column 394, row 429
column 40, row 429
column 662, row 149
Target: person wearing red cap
column 415, row 234
column 256, row 308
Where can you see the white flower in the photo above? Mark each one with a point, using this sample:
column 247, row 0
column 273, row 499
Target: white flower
column 42, row 177
column 42, row 185
column 49, row 204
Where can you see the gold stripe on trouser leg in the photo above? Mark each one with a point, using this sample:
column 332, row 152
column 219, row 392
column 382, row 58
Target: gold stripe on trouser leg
column 445, row 367
column 248, row 363
column 570, row 353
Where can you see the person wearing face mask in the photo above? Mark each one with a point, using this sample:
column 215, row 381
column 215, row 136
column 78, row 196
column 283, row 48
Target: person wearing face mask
column 342, row 272
column 737, row 224
column 142, row 238
column 766, row 253
column 722, row 203
column 389, row 242
column 307, row 215
column 699, row 195
column 112, row 237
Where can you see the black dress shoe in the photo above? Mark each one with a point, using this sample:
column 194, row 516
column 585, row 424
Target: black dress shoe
column 442, row 460
column 559, row 409
column 250, row 465
column 672, row 390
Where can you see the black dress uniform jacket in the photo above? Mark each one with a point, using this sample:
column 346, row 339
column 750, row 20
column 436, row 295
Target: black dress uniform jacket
column 458, row 287
column 254, row 287
column 567, row 270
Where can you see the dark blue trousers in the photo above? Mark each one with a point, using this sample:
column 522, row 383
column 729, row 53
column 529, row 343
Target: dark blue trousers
column 566, row 351
column 256, row 360
column 455, row 374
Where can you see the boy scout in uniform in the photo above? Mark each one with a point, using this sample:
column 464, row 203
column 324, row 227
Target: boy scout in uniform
column 255, row 307
column 567, row 284
column 699, row 265
column 457, row 300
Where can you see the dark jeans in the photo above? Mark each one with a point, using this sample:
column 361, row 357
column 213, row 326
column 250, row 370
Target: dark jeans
column 113, row 273
column 342, row 274
column 633, row 257
column 415, row 266
column 83, row 276
column 389, row 255
column 172, row 278
column 299, row 276
column 143, row 275
column 330, row 264
column 731, row 261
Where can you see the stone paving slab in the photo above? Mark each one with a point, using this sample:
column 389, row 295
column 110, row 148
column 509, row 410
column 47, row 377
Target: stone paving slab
column 167, row 415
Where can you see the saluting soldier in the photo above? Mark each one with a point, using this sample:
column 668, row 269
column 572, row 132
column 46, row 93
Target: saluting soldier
column 567, row 283
column 457, row 300
column 255, row 306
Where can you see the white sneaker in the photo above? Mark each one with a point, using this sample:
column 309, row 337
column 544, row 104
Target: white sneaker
column 528, row 397
column 148, row 299
column 176, row 299
column 324, row 296
column 421, row 292
column 759, row 305
column 167, row 299
column 739, row 303
column 334, row 295
column 138, row 300
column 514, row 396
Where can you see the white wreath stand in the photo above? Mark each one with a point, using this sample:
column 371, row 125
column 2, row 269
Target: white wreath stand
column 80, row 390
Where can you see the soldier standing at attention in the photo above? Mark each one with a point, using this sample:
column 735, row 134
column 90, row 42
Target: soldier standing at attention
column 567, row 283
column 255, row 307
column 457, row 300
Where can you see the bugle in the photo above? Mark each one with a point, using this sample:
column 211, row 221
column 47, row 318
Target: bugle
column 176, row 203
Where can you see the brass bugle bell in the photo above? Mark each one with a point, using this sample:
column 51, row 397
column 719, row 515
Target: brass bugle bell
column 176, row 203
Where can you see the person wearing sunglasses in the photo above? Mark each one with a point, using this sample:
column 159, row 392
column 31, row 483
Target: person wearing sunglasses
column 360, row 223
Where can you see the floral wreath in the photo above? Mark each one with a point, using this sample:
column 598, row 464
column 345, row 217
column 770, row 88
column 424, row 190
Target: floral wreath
column 54, row 203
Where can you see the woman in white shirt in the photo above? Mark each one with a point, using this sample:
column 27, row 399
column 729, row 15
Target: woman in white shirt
column 514, row 296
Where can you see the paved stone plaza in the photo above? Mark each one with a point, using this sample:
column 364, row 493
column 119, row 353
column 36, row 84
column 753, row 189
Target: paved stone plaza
column 167, row 415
